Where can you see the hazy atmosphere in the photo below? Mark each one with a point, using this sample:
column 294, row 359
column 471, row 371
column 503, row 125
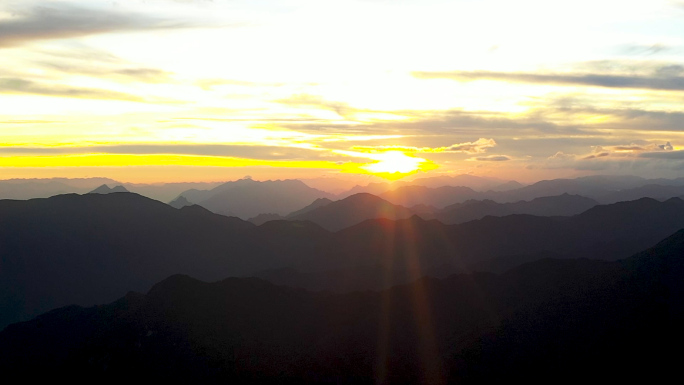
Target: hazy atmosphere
column 170, row 91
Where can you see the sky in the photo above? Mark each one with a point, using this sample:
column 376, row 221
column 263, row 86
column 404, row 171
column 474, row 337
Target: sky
column 178, row 90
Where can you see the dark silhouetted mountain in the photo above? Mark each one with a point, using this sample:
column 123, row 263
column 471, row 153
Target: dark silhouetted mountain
column 561, row 205
column 352, row 210
column 602, row 232
column 577, row 318
column 263, row 218
column 247, row 198
column 86, row 249
column 104, row 189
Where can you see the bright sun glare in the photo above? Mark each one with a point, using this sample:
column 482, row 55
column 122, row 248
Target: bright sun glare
column 394, row 162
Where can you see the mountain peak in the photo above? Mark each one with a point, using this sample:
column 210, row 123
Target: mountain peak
column 104, row 189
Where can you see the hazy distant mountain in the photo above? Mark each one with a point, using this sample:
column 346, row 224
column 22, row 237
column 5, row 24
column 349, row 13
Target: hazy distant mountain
column 180, row 202
column 104, row 189
column 371, row 188
column 439, row 197
column 44, row 188
column 659, row 192
column 591, row 186
column 581, row 318
column 166, row 192
column 247, row 198
column 352, row 210
column 472, row 182
column 604, row 189
column 320, row 202
column 561, row 205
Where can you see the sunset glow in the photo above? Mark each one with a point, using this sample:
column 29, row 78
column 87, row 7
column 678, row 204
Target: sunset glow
column 288, row 84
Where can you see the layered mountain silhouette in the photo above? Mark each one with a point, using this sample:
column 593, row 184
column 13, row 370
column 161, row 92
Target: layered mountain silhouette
column 104, row 189
column 335, row 216
column 247, row 198
column 604, row 189
column 84, row 249
column 561, row 205
column 44, row 188
column 576, row 318
column 87, row 249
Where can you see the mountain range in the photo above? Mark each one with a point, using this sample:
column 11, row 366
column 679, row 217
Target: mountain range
column 88, row 249
column 578, row 319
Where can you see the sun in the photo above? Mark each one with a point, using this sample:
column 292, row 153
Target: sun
column 394, row 161
column 396, row 165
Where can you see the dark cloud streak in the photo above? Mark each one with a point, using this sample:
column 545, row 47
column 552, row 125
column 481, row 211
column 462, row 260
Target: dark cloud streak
column 59, row 21
column 666, row 83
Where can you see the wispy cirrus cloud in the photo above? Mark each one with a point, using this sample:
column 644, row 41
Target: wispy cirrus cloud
column 479, row 146
column 120, row 73
column 306, row 100
column 60, row 20
column 23, row 86
column 491, row 158
column 219, row 150
column 666, row 81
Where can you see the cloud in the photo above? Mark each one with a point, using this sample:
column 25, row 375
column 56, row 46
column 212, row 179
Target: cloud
column 208, row 84
column 62, row 20
column 491, row 158
column 306, row 100
column 140, row 74
column 645, row 49
column 666, row 81
column 673, row 155
column 23, row 86
column 219, row 150
column 479, row 146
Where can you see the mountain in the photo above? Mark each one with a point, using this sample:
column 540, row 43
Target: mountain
column 561, row 205
column 581, row 318
column 87, row 249
column 263, row 218
column 602, row 232
column 474, row 182
column 320, row 202
column 104, row 189
column 180, row 202
column 352, row 210
column 371, row 188
column 247, row 198
column 438, row 197
column 44, row 188
column 655, row 191
column 92, row 248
